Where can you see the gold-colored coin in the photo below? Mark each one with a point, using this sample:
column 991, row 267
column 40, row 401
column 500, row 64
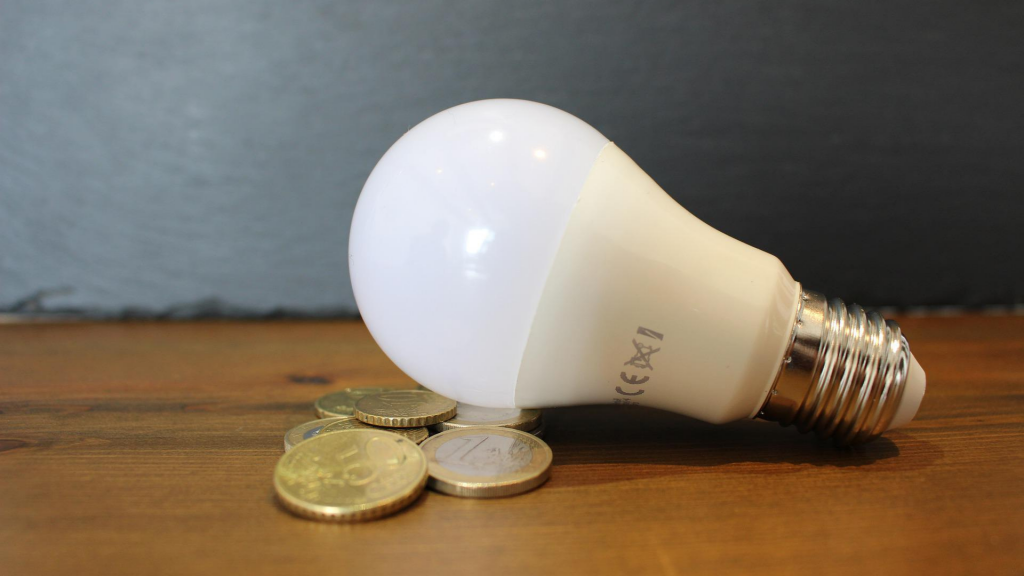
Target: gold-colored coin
column 416, row 435
column 486, row 462
column 341, row 403
column 404, row 409
column 538, row 431
column 468, row 416
column 350, row 475
column 306, row 431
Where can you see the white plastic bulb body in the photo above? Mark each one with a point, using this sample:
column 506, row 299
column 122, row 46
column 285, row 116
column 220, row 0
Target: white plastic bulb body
column 505, row 253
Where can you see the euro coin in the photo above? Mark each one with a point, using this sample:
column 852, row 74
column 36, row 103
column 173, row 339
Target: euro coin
column 467, row 416
column 350, row 476
column 404, row 409
column 341, row 403
column 416, row 435
column 306, row 431
column 486, row 462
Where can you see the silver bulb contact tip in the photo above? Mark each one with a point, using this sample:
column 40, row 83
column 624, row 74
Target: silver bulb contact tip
column 845, row 374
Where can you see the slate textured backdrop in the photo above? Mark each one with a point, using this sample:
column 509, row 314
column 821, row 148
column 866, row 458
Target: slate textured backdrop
column 190, row 157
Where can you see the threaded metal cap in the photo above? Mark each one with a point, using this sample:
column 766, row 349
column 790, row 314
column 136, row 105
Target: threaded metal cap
column 844, row 373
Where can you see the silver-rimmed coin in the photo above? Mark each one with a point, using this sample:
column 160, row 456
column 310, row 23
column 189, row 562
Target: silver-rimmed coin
column 468, row 416
column 306, row 431
column 486, row 462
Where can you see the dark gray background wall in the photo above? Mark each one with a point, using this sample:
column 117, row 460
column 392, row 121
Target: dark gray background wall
column 183, row 157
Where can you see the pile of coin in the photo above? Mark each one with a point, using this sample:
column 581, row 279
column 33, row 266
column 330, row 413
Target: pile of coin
column 374, row 450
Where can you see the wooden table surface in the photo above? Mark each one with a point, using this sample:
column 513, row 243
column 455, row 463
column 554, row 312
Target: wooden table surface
column 148, row 448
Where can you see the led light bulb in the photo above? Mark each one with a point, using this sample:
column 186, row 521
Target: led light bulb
column 506, row 254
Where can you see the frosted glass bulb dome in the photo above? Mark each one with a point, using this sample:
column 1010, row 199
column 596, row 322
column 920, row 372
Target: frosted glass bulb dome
column 506, row 254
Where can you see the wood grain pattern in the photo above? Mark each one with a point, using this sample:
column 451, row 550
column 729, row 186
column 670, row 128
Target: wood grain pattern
column 147, row 448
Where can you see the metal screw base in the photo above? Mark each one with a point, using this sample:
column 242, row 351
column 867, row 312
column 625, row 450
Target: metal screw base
column 843, row 375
